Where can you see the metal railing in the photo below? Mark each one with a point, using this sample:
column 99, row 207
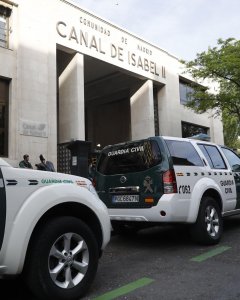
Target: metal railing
column 63, row 158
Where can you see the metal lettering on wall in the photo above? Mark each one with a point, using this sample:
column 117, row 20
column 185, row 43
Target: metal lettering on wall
column 106, row 42
column 33, row 128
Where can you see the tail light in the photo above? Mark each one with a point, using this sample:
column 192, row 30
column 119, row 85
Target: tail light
column 169, row 182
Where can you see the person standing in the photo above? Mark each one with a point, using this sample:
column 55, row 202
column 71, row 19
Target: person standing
column 25, row 162
column 45, row 165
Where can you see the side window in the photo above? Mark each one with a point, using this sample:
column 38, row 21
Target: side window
column 189, row 130
column 183, row 153
column 5, row 13
column 204, row 151
column 233, row 159
column 213, row 156
column 185, row 92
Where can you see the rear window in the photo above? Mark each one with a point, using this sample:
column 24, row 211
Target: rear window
column 183, row 153
column 131, row 157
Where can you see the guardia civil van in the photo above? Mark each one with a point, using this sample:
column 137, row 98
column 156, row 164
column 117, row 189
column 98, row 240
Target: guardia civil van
column 53, row 229
column 170, row 180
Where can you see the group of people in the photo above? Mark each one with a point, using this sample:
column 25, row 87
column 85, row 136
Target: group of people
column 43, row 165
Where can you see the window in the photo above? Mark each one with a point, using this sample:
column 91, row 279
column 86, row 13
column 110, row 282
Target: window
column 233, row 159
column 213, row 156
column 130, row 157
column 5, row 13
column 189, row 129
column 185, row 92
column 183, row 153
column 4, row 91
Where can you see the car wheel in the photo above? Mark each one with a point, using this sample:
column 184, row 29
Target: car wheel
column 209, row 225
column 62, row 260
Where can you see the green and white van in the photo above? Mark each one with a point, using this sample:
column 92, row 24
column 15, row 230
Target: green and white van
column 170, row 180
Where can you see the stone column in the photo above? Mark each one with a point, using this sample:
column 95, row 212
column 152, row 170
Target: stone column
column 142, row 112
column 71, row 101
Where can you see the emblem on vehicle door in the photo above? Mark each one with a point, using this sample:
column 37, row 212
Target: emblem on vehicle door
column 147, row 184
column 123, row 179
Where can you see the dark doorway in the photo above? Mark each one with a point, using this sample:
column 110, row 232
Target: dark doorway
column 110, row 123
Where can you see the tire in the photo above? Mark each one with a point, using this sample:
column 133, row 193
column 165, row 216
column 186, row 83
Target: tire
column 209, row 225
column 62, row 260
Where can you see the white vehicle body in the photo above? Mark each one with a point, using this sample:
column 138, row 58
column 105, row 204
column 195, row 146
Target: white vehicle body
column 204, row 172
column 30, row 197
column 192, row 183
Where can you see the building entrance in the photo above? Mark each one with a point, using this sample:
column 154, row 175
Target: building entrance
column 108, row 90
column 94, row 100
column 108, row 123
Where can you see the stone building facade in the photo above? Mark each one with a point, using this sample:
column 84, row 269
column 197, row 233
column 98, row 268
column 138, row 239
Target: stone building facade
column 66, row 74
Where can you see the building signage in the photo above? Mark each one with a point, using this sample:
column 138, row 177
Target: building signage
column 33, row 128
column 92, row 36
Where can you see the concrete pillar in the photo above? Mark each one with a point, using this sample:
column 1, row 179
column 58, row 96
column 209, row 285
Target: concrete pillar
column 33, row 101
column 71, row 101
column 142, row 112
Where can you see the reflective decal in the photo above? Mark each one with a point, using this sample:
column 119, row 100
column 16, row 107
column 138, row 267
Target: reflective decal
column 228, row 185
column 33, row 182
column 126, row 151
column 11, row 182
column 184, row 189
column 81, row 183
column 179, row 174
column 53, row 181
column 147, row 184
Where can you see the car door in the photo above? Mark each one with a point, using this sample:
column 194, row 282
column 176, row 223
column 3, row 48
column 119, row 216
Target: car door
column 2, row 208
column 129, row 175
column 234, row 161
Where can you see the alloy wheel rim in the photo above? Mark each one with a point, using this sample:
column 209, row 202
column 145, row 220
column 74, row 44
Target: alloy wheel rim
column 212, row 221
column 68, row 260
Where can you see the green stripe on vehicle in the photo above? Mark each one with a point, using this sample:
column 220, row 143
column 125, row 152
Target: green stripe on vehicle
column 125, row 289
column 210, row 254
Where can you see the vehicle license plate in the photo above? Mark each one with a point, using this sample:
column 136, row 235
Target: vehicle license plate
column 125, row 198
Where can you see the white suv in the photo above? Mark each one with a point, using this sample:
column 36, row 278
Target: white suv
column 167, row 179
column 53, row 228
